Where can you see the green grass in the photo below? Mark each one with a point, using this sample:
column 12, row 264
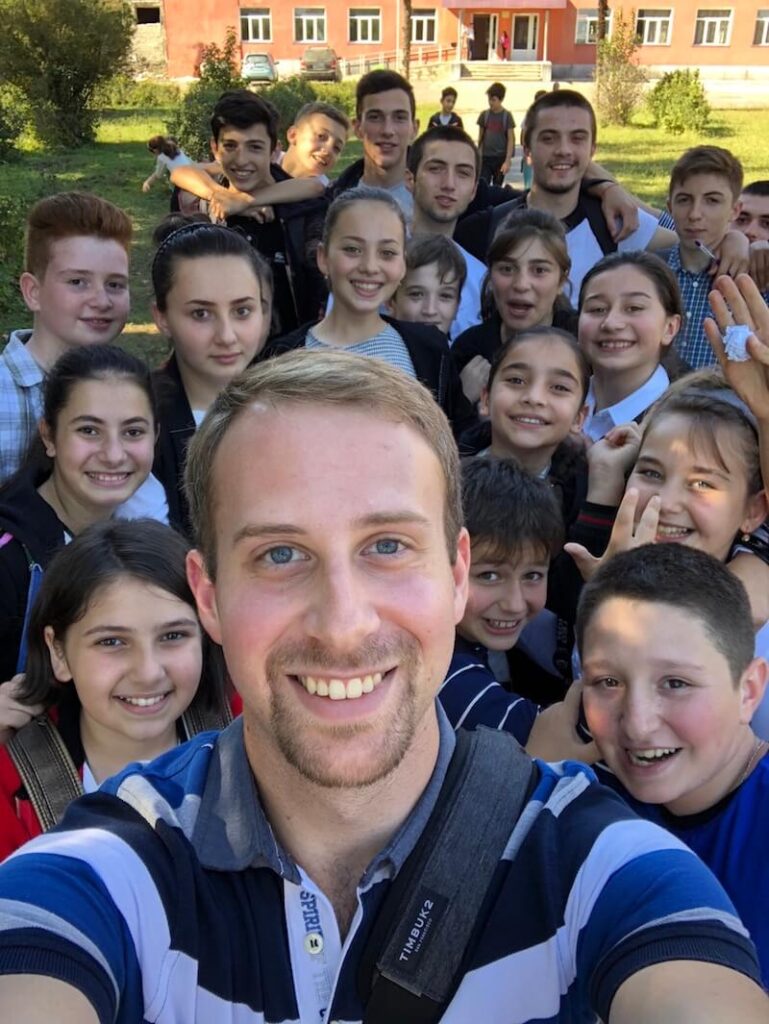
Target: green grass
column 116, row 165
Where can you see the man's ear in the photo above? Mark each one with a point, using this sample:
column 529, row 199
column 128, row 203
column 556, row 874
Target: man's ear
column 29, row 287
column 409, row 180
column 461, row 573
column 752, row 687
column 291, row 135
column 59, row 665
column 214, row 148
column 356, row 127
column 416, row 128
column 204, row 590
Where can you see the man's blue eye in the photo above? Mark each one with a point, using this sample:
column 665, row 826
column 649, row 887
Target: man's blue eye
column 281, row 555
column 387, row 547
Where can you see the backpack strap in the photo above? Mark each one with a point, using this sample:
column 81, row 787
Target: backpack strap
column 35, row 579
column 411, row 965
column 47, row 771
column 197, row 719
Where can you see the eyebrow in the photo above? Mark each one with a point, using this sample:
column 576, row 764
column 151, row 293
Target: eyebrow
column 664, row 664
column 96, row 419
column 553, row 372
column 446, row 163
column 623, row 295
column 174, row 624
column 708, row 470
column 75, row 270
column 207, row 302
column 379, row 241
column 373, row 519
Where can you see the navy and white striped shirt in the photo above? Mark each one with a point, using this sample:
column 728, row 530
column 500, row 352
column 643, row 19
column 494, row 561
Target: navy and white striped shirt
column 167, row 898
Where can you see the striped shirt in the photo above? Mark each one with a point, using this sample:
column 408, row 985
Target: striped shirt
column 166, row 897
column 387, row 345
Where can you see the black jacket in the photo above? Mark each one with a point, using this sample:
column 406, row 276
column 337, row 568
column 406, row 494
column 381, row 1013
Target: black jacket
column 35, row 527
column 302, row 226
column 176, row 428
column 429, row 352
column 484, row 338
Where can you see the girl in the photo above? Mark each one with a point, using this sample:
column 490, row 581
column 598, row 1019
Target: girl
column 168, row 156
column 529, row 265
column 119, row 662
column 629, row 313
column 213, row 295
column 94, row 450
column 362, row 256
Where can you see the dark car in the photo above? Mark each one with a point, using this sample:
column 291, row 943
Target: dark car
column 259, row 67
column 321, row 64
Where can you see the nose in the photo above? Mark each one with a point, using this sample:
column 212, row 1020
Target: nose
column 671, row 494
column 368, row 261
column 613, row 320
column 342, row 615
column 100, row 297
column 112, row 450
column 696, row 209
column 147, row 670
column 640, row 715
column 226, row 334
column 536, row 392
column 512, row 601
column 430, row 305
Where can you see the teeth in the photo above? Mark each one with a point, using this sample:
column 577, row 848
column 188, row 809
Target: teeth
column 610, row 345
column 107, row 478
column 503, row 623
column 530, row 419
column 672, row 531
column 144, row 702
column 338, row 689
column 653, row 754
column 365, row 286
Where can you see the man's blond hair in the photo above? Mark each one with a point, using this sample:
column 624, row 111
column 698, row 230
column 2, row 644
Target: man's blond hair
column 319, row 378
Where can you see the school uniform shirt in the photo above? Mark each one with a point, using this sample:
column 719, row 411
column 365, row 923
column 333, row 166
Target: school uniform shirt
column 630, row 409
column 469, row 309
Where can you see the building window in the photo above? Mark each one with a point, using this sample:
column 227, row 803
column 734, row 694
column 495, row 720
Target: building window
column 653, row 26
column 147, row 15
column 713, row 27
column 587, row 25
column 423, row 26
column 309, row 25
column 365, row 25
column 761, row 35
column 255, row 25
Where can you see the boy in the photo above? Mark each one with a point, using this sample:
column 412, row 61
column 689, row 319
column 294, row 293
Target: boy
column 669, row 687
column 431, row 290
column 516, row 528
column 315, row 141
column 496, row 138
column 446, row 117
column 753, row 212
column 704, row 190
column 75, row 283
column 244, row 130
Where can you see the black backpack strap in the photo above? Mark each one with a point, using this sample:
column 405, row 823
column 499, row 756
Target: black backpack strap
column 46, row 770
column 412, row 961
column 196, row 720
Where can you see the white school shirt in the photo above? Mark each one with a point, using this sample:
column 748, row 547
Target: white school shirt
column 469, row 309
column 598, row 424
column 585, row 252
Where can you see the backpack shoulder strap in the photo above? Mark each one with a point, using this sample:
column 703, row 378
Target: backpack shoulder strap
column 47, row 771
column 196, row 720
column 412, row 961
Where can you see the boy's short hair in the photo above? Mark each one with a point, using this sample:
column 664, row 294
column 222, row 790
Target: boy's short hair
column 684, row 578
column 552, row 100
column 239, row 108
column 441, row 133
column 506, row 509
column 756, row 188
column 449, row 91
column 422, row 250
column 497, row 89
column 382, row 80
column 327, row 109
column 707, row 160
column 70, row 215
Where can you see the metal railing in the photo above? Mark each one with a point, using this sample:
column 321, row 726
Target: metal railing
column 420, row 55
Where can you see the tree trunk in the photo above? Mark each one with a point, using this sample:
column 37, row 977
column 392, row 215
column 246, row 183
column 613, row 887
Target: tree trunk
column 603, row 18
column 406, row 37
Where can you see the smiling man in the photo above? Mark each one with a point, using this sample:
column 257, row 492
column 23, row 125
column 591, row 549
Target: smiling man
column 237, row 876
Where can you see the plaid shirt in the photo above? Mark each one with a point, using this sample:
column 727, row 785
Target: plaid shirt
column 21, row 401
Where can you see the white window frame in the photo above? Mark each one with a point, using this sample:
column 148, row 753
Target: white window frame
column 711, row 20
column 368, row 17
column 424, row 26
column 761, row 33
column 658, row 21
column 587, row 20
column 258, row 24
column 313, row 22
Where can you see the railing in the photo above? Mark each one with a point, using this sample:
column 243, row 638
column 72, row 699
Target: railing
column 420, row 55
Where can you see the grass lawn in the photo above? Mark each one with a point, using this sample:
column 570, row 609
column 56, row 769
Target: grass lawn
column 116, row 165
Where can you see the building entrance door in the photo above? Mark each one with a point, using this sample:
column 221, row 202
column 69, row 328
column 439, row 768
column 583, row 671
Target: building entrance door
column 525, row 28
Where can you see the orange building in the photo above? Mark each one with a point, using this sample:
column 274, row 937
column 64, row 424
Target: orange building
column 694, row 33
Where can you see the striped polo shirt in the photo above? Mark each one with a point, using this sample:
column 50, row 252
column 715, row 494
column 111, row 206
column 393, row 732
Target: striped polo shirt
column 166, row 897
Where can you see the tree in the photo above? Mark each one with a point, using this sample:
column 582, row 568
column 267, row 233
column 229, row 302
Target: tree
column 619, row 81
column 603, row 19
column 56, row 53
column 406, row 36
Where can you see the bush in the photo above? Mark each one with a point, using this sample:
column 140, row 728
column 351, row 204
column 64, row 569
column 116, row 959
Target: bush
column 218, row 66
column 13, row 212
column 129, row 93
column 190, row 124
column 12, row 123
column 677, row 102
column 57, row 52
column 341, row 94
column 619, row 80
column 287, row 98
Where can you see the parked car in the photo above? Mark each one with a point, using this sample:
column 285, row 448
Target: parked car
column 321, row 64
column 259, row 67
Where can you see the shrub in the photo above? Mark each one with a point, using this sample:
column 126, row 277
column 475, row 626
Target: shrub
column 619, row 80
column 677, row 102
column 12, row 122
column 129, row 93
column 287, row 98
column 190, row 124
column 341, row 94
column 219, row 66
column 57, row 52
column 13, row 211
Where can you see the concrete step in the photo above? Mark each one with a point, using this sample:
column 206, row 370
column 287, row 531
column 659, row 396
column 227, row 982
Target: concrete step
column 506, row 70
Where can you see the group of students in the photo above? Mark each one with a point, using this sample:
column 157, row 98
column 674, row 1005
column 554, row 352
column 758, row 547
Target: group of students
column 583, row 425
